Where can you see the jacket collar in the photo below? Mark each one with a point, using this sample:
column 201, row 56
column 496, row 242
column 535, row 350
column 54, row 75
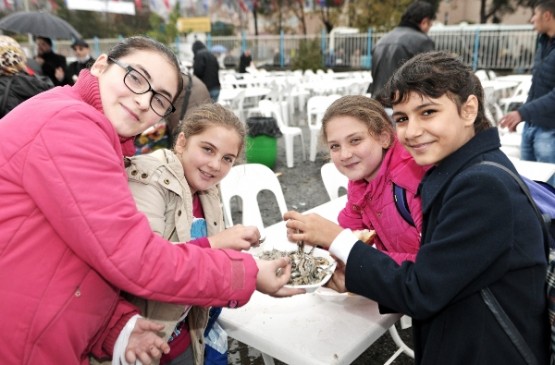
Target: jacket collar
column 547, row 43
column 409, row 24
column 437, row 178
column 87, row 87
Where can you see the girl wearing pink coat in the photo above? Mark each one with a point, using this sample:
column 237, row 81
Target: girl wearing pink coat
column 70, row 233
column 363, row 146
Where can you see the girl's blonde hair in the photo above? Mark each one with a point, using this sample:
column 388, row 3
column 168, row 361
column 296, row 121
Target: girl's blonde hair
column 367, row 110
column 205, row 116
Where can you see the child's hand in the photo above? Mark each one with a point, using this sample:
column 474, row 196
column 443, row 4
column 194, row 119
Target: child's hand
column 312, row 229
column 238, row 238
column 273, row 275
column 145, row 344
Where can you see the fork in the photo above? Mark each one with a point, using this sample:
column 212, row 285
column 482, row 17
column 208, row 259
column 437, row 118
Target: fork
column 300, row 245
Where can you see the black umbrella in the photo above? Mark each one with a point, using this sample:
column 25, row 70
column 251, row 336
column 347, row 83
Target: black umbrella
column 38, row 23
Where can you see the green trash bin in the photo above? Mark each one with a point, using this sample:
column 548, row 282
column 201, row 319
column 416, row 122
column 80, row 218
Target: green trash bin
column 262, row 149
column 261, row 146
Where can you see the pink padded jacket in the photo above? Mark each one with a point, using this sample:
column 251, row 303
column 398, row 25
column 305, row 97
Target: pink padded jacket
column 71, row 236
column 371, row 205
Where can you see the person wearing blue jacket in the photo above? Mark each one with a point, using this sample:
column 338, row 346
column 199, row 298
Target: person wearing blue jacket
column 479, row 230
column 538, row 113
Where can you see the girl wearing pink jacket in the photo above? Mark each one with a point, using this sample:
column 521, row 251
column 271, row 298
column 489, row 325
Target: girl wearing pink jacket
column 363, row 146
column 71, row 236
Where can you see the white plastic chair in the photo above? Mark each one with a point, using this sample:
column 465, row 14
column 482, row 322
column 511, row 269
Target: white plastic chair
column 246, row 181
column 482, row 74
column 492, row 110
column 296, row 95
column 270, row 108
column 315, row 109
column 333, row 179
column 237, row 105
column 277, row 95
column 519, row 96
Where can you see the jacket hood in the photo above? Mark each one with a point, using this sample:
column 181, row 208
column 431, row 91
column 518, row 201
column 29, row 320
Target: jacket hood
column 197, row 46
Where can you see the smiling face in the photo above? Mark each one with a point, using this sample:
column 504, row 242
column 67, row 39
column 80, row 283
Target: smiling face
column 432, row 129
column 131, row 113
column 208, row 156
column 354, row 151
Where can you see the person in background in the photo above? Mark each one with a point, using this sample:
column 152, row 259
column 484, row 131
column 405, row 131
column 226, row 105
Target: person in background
column 206, row 68
column 479, row 231
column 228, row 61
column 16, row 84
column 538, row 112
column 73, row 237
column 245, row 61
column 409, row 38
column 363, row 146
column 52, row 64
column 83, row 60
column 180, row 199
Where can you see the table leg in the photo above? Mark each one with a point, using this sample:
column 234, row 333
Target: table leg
column 268, row 360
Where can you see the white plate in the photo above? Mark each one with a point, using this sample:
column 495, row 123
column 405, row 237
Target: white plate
column 309, row 288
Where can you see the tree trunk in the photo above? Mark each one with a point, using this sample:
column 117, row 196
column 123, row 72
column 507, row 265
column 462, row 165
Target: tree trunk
column 483, row 17
column 255, row 19
column 324, row 12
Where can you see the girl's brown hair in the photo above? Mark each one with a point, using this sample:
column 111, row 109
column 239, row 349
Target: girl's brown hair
column 204, row 116
column 368, row 111
column 434, row 74
column 140, row 43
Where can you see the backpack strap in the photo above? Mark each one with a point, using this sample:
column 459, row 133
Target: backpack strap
column 400, row 198
column 508, row 326
column 5, row 97
column 487, row 295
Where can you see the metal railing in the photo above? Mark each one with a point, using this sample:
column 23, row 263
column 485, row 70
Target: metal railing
column 499, row 47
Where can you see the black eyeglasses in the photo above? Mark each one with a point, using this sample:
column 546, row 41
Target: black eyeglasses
column 138, row 84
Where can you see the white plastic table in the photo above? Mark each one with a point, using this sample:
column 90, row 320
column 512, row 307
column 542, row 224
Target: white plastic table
column 533, row 170
column 307, row 329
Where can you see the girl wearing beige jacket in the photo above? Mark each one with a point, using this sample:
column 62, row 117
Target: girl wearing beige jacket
column 178, row 192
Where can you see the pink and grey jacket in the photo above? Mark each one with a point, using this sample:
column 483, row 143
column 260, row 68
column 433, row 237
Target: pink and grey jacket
column 370, row 205
column 71, row 236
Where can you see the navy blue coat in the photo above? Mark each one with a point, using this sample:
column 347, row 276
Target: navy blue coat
column 479, row 231
column 539, row 108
